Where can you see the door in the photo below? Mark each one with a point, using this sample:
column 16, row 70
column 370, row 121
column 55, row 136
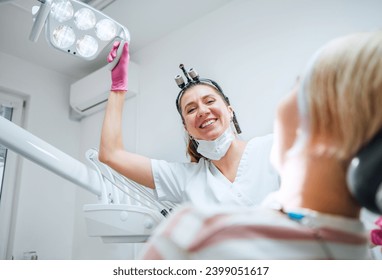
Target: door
column 11, row 108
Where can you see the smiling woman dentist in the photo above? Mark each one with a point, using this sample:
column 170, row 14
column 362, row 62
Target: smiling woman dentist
column 223, row 168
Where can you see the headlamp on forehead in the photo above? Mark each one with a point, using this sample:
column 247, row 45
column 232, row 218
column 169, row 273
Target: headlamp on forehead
column 193, row 78
column 191, row 75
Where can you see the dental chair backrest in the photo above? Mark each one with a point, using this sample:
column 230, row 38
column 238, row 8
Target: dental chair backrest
column 364, row 175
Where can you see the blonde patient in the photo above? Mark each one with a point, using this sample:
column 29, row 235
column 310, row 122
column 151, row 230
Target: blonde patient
column 334, row 109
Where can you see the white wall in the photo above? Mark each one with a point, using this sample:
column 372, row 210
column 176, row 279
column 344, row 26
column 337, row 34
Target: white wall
column 44, row 214
column 253, row 48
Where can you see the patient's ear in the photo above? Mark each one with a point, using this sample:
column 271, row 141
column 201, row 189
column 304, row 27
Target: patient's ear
column 285, row 128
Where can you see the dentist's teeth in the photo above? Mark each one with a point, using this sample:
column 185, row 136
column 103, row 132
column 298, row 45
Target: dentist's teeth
column 207, row 123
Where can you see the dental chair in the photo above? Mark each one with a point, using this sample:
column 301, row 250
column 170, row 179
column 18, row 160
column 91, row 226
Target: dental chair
column 364, row 178
column 364, row 175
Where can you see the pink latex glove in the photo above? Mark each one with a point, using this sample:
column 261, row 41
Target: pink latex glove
column 376, row 234
column 119, row 74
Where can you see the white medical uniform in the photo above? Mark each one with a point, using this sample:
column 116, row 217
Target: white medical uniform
column 203, row 184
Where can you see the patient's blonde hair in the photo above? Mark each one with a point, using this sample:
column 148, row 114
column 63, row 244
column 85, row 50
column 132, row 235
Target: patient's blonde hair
column 344, row 94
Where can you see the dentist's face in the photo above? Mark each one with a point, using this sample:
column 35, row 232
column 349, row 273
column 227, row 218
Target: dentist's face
column 206, row 116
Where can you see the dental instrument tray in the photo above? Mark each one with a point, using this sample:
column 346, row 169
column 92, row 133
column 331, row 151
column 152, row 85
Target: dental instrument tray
column 127, row 212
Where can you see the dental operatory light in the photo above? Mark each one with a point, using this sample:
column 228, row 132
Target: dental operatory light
column 75, row 27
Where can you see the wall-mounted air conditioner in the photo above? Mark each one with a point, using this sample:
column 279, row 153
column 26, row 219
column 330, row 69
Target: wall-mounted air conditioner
column 89, row 95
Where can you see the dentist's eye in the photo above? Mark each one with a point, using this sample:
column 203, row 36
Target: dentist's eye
column 189, row 111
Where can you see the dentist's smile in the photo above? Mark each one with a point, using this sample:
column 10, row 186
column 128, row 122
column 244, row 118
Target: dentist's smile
column 207, row 123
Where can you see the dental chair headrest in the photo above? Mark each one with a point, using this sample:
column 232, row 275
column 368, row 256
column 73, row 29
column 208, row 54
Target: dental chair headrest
column 364, row 175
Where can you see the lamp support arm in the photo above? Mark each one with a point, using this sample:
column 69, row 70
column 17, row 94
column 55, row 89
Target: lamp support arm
column 35, row 149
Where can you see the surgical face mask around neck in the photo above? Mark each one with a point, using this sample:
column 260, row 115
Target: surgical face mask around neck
column 216, row 149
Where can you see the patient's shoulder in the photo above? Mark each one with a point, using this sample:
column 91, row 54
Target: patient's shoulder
column 191, row 232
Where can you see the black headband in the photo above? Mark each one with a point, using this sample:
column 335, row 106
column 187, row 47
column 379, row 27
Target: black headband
column 193, row 79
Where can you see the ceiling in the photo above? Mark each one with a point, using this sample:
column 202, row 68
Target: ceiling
column 146, row 20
